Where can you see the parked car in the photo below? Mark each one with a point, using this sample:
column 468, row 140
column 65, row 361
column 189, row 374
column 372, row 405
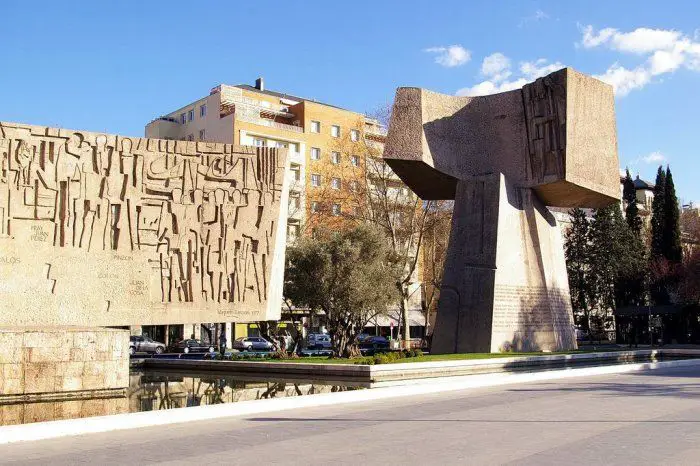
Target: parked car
column 374, row 343
column 191, row 345
column 144, row 344
column 252, row 344
column 318, row 341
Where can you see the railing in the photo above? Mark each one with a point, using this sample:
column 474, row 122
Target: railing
column 376, row 130
column 270, row 123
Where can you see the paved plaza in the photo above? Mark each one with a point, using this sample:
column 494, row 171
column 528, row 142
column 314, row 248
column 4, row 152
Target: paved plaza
column 647, row 417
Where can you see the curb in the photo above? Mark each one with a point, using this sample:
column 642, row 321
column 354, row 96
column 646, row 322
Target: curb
column 70, row 427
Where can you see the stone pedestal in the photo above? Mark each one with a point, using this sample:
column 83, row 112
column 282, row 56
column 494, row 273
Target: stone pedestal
column 61, row 363
column 505, row 285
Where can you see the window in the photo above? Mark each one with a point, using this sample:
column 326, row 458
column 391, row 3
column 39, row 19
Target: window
column 355, row 161
column 335, row 131
column 353, row 186
column 183, row 118
column 335, row 157
column 335, row 183
column 315, row 180
column 201, row 134
column 336, row 209
column 294, row 201
column 296, row 171
column 203, row 110
column 292, row 231
column 314, row 207
column 354, row 135
column 259, row 142
column 315, row 126
column 315, row 153
column 190, row 115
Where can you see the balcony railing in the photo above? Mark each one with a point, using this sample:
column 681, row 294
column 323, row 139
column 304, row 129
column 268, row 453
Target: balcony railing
column 376, row 130
column 269, row 123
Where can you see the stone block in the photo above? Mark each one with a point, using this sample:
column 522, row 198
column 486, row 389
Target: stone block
column 94, row 382
column 12, row 371
column 11, row 414
column 157, row 193
column 39, row 377
column 556, row 135
column 48, row 354
column 70, row 383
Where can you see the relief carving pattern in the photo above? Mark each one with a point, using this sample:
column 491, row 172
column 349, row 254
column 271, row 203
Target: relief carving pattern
column 204, row 214
column 545, row 114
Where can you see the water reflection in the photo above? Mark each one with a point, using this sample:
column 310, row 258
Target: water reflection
column 151, row 391
column 155, row 390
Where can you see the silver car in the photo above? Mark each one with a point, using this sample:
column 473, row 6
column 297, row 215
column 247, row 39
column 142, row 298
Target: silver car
column 144, row 344
column 252, row 344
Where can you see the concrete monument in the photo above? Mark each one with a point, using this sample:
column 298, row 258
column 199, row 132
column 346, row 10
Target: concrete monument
column 503, row 158
column 102, row 230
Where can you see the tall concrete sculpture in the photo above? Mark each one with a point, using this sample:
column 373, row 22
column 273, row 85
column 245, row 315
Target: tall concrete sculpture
column 503, row 158
column 100, row 229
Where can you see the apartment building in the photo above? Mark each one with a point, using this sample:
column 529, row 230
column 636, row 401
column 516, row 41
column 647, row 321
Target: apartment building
column 335, row 154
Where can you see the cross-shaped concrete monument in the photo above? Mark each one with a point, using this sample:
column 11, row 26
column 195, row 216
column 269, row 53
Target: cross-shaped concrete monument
column 503, row 158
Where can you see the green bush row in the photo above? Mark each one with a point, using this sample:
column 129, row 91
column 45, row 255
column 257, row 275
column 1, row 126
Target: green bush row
column 254, row 356
column 389, row 357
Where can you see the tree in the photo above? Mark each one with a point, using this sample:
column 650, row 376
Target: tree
column 671, row 236
column 629, row 196
column 435, row 243
column 666, row 248
column 576, row 252
column 657, row 266
column 605, row 261
column 631, row 288
column 380, row 198
column 658, row 209
column 349, row 275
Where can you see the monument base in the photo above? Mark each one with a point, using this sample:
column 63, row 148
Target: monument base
column 62, row 363
column 505, row 286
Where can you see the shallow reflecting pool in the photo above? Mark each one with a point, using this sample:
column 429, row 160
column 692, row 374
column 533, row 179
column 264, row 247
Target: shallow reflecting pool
column 156, row 390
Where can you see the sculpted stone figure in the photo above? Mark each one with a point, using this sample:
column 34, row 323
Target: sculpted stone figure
column 504, row 158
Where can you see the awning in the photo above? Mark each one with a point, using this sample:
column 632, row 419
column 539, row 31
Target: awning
column 415, row 319
column 647, row 310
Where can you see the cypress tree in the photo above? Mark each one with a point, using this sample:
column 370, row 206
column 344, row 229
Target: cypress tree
column 672, row 230
column 577, row 253
column 658, row 209
column 629, row 195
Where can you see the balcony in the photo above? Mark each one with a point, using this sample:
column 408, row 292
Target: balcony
column 269, row 123
column 373, row 130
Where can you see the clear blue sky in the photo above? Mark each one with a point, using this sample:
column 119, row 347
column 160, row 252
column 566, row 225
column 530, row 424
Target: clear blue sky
column 114, row 66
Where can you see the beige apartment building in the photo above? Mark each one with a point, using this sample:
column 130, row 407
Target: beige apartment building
column 331, row 150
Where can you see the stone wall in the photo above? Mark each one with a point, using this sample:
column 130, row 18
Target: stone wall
column 39, row 364
column 106, row 230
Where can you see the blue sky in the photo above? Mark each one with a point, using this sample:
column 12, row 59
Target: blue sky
column 114, row 66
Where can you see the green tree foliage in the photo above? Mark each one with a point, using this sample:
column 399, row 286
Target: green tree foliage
column 576, row 250
column 666, row 250
column 672, row 230
column 350, row 276
column 606, row 265
column 658, row 209
column 629, row 196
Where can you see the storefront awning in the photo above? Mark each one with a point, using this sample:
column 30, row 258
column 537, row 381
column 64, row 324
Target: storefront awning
column 648, row 310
